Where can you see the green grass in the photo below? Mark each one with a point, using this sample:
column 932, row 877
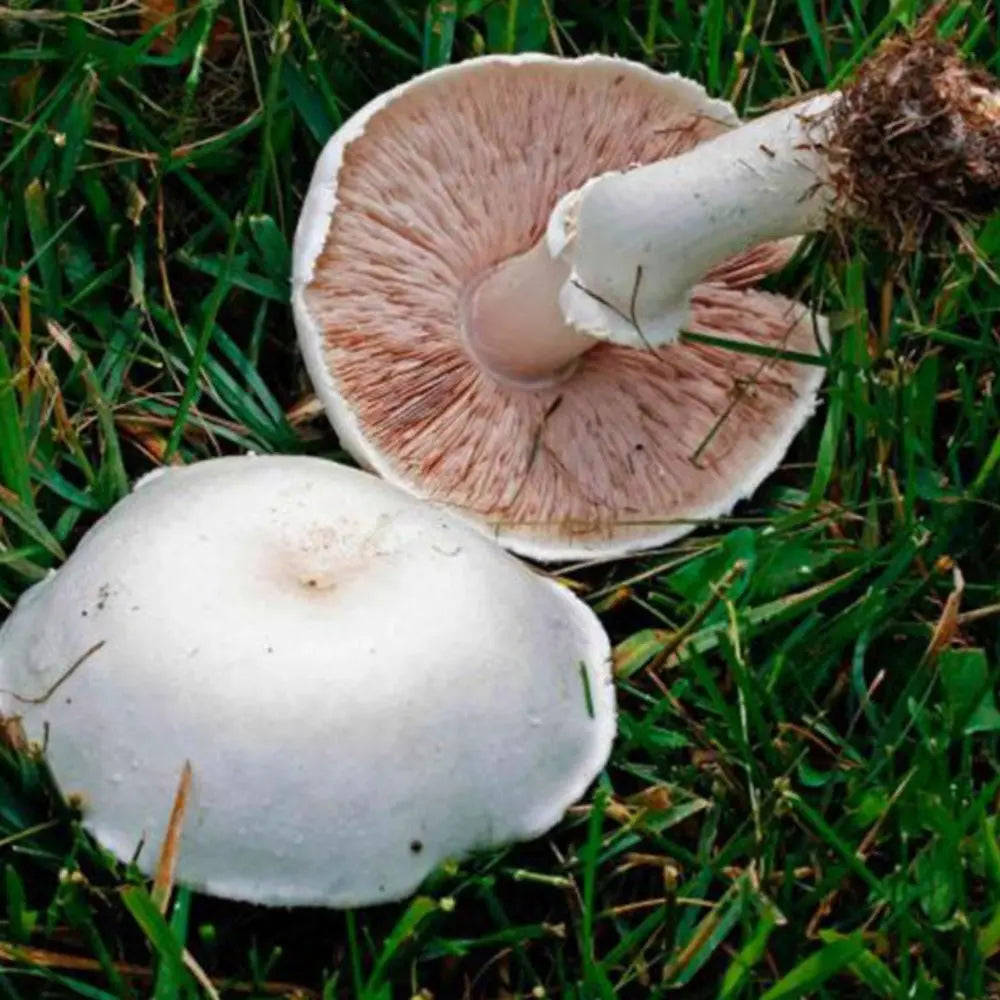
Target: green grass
column 803, row 800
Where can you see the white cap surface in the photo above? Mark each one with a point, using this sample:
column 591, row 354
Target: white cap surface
column 364, row 686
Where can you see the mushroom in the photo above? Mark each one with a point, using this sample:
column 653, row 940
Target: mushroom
column 363, row 686
column 437, row 343
column 494, row 261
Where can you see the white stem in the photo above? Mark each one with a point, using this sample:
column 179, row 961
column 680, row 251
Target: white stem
column 637, row 242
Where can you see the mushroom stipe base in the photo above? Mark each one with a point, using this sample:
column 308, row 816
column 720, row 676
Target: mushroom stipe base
column 915, row 142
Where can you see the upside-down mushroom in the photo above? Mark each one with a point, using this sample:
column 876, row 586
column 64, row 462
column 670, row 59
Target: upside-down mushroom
column 495, row 259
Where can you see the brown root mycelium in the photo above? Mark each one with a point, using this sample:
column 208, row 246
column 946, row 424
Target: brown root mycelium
column 916, row 139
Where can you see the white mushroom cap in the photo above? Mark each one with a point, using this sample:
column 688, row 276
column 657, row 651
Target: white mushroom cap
column 364, row 686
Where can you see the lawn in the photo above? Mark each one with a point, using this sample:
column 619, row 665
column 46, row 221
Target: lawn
column 804, row 794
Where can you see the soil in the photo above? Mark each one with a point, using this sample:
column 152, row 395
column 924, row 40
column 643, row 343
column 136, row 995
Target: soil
column 916, row 140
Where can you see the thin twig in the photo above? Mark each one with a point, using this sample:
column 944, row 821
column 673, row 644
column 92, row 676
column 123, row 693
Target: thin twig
column 42, row 699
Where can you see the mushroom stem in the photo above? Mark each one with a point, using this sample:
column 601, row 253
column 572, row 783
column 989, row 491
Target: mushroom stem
column 912, row 142
column 513, row 325
column 623, row 253
column 638, row 242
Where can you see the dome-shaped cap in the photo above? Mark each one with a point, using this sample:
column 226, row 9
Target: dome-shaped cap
column 363, row 686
